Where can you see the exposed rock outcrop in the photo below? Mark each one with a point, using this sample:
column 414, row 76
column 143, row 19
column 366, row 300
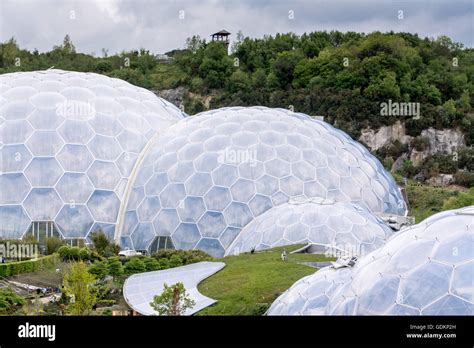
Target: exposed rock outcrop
column 442, row 180
column 174, row 96
column 386, row 135
column 444, row 141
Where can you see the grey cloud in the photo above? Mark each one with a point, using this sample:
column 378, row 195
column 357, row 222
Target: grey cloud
column 155, row 25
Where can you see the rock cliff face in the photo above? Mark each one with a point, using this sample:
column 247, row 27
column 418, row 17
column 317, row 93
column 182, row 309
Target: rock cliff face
column 375, row 140
column 441, row 141
column 444, row 141
column 174, row 96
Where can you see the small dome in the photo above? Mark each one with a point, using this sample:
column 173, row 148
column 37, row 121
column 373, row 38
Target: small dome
column 341, row 228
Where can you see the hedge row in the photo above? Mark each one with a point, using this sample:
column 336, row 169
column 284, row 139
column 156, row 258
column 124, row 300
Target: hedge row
column 34, row 265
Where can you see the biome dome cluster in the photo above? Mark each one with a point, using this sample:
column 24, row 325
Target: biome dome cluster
column 212, row 174
column 82, row 152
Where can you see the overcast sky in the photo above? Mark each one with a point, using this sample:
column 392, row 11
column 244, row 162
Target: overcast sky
column 162, row 25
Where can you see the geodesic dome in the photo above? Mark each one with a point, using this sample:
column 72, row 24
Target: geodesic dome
column 310, row 295
column 426, row 269
column 344, row 228
column 213, row 173
column 69, row 143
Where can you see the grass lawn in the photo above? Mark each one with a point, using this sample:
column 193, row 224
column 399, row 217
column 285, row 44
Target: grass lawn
column 249, row 283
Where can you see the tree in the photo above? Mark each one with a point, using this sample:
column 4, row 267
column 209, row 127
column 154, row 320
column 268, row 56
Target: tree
column 100, row 242
column 194, row 43
column 78, row 282
column 102, row 245
column 68, row 47
column 173, row 300
column 114, row 266
column 284, row 64
column 239, row 38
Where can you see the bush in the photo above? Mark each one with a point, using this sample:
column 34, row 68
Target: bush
column 99, row 269
column 53, row 244
column 420, row 143
column 84, row 254
column 10, row 301
column 12, row 268
column 187, row 256
column 462, row 199
column 163, row 263
column 151, row 264
column 394, row 150
column 64, row 252
column 69, row 253
column 74, row 253
column 176, row 261
column 464, row 178
column 134, row 265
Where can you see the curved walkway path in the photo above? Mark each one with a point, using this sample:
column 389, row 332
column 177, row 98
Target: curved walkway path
column 139, row 289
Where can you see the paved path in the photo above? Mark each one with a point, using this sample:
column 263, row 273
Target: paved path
column 139, row 289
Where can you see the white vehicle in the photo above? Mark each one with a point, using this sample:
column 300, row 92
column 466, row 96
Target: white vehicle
column 129, row 253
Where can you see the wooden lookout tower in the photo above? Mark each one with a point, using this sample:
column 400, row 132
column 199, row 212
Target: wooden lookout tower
column 221, row 36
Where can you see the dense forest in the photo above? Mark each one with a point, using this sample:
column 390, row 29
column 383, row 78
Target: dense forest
column 343, row 76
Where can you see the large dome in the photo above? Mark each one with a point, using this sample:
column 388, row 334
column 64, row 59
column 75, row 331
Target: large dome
column 426, row 269
column 211, row 174
column 69, row 142
column 337, row 227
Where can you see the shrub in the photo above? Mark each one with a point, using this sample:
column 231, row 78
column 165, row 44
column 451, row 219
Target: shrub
column 176, row 261
column 462, row 199
column 163, row 263
column 464, row 178
column 151, row 264
column 99, row 269
column 420, row 143
column 134, row 265
column 10, row 301
column 187, row 256
column 74, row 253
column 84, row 254
column 64, row 252
column 53, row 244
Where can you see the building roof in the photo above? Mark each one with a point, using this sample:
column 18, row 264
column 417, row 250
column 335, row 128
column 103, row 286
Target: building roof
column 222, row 32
